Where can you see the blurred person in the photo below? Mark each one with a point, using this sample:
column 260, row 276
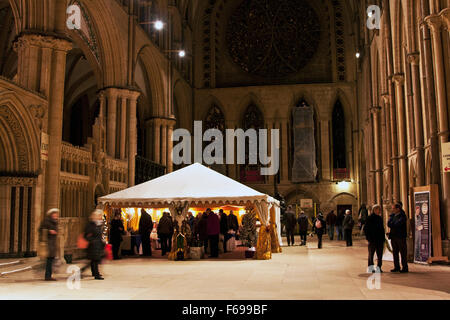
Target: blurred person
column 303, row 226
column 203, row 230
column 398, row 235
column 145, row 229
column 319, row 226
column 93, row 233
column 165, row 232
column 339, row 222
column 213, row 229
column 374, row 231
column 224, row 228
column 331, row 222
column 362, row 216
column 347, row 225
column 290, row 224
column 190, row 220
column 50, row 226
column 115, row 234
column 233, row 223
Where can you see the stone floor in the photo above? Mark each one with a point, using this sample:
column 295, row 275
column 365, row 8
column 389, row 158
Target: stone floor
column 334, row 272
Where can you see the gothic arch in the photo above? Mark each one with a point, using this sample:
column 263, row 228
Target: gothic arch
column 252, row 98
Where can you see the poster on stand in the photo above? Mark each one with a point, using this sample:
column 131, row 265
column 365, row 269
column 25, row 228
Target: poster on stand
column 422, row 234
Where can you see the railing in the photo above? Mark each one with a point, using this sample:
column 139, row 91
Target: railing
column 147, row 170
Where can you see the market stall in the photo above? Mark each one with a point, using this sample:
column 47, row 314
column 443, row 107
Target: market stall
column 193, row 188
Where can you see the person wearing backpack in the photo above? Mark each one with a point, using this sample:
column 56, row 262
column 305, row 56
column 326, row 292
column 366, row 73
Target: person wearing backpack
column 319, row 226
column 348, row 227
column 303, row 224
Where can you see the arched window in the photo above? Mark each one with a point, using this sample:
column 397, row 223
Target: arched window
column 304, row 137
column 253, row 119
column 215, row 119
column 339, row 147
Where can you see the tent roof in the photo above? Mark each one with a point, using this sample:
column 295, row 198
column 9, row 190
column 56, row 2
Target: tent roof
column 195, row 183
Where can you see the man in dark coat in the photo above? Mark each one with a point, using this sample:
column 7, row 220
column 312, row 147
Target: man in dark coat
column 203, row 230
column 50, row 226
column 339, row 223
column 115, row 234
column 398, row 234
column 290, row 223
column 303, row 226
column 96, row 248
column 233, row 223
column 224, row 229
column 331, row 222
column 190, row 220
column 145, row 229
column 165, row 232
column 374, row 231
column 347, row 225
column 319, row 225
column 213, row 232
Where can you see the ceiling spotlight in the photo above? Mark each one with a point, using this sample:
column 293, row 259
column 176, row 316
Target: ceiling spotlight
column 159, row 25
column 182, row 53
column 358, row 55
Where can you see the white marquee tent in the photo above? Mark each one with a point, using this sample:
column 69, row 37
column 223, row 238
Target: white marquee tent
column 195, row 185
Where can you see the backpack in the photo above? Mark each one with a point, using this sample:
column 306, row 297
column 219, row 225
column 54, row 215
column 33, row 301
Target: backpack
column 318, row 224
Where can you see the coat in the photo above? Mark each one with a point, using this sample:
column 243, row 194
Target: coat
column 224, row 224
column 289, row 220
column 94, row 235
column 363, row 214
column 374, row 229
column 233, row 223
column 116, row 231
column 397, row 223
column 324, row 225
column 303, row 222
column 331, row 219
column 165, row 225
column 213, row 224
column 47, row 225
column 348, row 222
column 340, row 219
column 145, row 224
column 203, row 228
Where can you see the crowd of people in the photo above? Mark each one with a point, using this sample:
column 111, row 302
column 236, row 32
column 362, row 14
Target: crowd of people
column 371, row 225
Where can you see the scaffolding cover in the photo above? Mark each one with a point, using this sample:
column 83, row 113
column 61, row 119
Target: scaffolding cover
column 304, row 168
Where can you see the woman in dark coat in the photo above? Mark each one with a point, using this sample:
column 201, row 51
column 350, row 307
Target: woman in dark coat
column 96, row 248
column 50, row 225
column 319, row 230
column 203, row 230
column 145, row 229
column 115, row 235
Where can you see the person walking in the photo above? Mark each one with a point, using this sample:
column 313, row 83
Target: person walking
column 290, row 224
column 303, row 226
column 93, row 233
column 398, row 234
column 331, row 222
column 50, row 227
column 347, row 225
column 145, row 229
column 339, row 223
column 224, row 229
column 165, row 232
column 319, row 226
column 213, row 229
column 374, row 231
column 203, row 230
column 115, row 234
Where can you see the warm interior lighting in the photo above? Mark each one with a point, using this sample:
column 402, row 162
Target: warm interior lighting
column 344, row 186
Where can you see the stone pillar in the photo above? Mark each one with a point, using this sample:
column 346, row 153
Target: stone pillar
column 413, row 59
column 233, row 169
column 132, row 135
column 435, row 23
column 170, row 126
column 377, row 153
column 283, row 126
column 399, row 81
column 164, row 142
column 149, row 136
column 42, row 68
column 123, row 127
column 111, row 133
column 157, row 140
column 269, row 127
column 388, row 143
column 326, row 149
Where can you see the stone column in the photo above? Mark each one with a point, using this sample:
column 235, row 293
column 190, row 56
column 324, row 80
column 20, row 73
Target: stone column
column 401, row 129
column 170, row 126
column 157, row 140
column 123, row 127
column 435, row 24
column 149, row 136
column 111, row 95
column 269, row 127
column 377, row 152
column 132, row 135
column 326, row 149
column 388, row 143
column 283, row 126
column 164, row 142
column 233, row 169
column 413, row 59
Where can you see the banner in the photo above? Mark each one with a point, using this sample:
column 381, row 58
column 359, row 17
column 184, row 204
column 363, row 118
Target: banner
column 422, row 235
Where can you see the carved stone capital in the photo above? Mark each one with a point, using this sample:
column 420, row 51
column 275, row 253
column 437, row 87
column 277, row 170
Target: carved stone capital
column 399, row 79
column 42, row 41
column 386, row 98
column 434, row 22
column 445, row 14
column 414, row 58
column 375, row 109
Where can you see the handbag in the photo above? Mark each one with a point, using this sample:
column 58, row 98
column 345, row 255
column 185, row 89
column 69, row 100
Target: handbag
column 82, row 243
